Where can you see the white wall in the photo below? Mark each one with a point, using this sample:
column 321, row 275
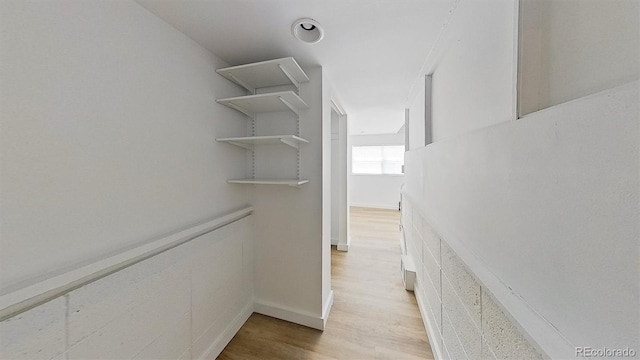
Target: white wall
column 107, row 134
column 557, row 38
column 548, row 205
column 292, row 224
column 327, row 189
column 108, row 124
column 542, row 211
column 473, row 85
column 417, row 117
column 375, row 191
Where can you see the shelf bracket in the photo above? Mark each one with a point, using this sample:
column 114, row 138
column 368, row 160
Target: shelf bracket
column 291, row 78
column 242, row 110
column 298, row 183
column 242, row 83
column 293, row 144
column 289, row 105
column 242, row 145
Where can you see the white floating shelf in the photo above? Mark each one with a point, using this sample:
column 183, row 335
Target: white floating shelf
column 271, row 102
column 276, row 72
column 249, row 141
column 290, row 182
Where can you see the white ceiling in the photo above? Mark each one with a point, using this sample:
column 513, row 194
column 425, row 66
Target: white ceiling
column 372, row 50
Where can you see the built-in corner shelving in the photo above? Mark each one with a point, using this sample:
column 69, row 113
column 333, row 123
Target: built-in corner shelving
column 253, row 181
column 249, row 142
column 262, row 103
column 266, row 74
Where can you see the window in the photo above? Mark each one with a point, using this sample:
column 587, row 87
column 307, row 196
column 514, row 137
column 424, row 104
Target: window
column 377, row 160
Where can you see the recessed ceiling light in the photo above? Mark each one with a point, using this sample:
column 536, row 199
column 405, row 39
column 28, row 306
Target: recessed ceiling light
column 307, row 30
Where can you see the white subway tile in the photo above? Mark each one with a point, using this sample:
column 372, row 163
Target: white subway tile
column 450, row 339
column 248, row 262
column 433, row 273
column 207, row 310
column 502, row 336
column 431, row 241
column 445, row 352
column 95, row 305
column 433, row 303
column 130, row 332
column 416, row 220
column 464, row 284
column 172, row 344
column 186, row 355
column 216, row 282
column 468, row 333
column 487, row 354
column 202, row 344
column 417, row 239
column 38, row 333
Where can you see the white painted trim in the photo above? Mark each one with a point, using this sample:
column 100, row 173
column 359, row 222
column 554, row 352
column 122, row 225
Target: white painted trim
column 375, row 206
column 335, row 105
column 33, row 294
column 334, row 241
column 292, row 315
column 327, row 310
column 428, row 323
column 407, row 117
column 516, row 62
column 232, row 329
column 391, row 175
column 345, row 246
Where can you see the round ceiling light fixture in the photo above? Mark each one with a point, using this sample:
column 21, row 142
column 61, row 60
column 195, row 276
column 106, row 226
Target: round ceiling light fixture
column 307, row 30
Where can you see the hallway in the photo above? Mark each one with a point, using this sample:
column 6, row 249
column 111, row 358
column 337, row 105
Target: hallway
column 373, row 317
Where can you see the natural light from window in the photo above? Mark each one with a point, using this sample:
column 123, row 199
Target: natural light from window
column 377, row 160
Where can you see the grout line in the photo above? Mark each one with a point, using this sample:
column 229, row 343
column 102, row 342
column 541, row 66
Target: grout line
column 481, row 313
column 191, row 340
column 440, row 275
column 66, row 326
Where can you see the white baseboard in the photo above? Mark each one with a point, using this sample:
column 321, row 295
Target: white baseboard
column 376, row 206
column 223, row 340
column 334, row 241
column 344, row 246
column 292, row 315
column 327, row 310
column 429, row 326
column 282, row 313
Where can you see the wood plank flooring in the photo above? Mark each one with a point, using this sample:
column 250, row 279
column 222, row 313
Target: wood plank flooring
column 373, row 317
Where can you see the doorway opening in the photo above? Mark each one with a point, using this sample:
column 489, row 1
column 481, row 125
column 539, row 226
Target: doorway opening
column 340, row 157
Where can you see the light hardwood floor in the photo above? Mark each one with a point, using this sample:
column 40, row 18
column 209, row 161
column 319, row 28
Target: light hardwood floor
column 373, row 317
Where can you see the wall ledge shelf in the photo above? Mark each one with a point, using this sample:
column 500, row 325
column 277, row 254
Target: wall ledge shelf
column 248, row 142
column 269, row 73
column 289, row 182
column 262, row 103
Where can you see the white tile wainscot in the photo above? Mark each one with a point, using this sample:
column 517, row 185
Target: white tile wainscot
column 183, row 302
